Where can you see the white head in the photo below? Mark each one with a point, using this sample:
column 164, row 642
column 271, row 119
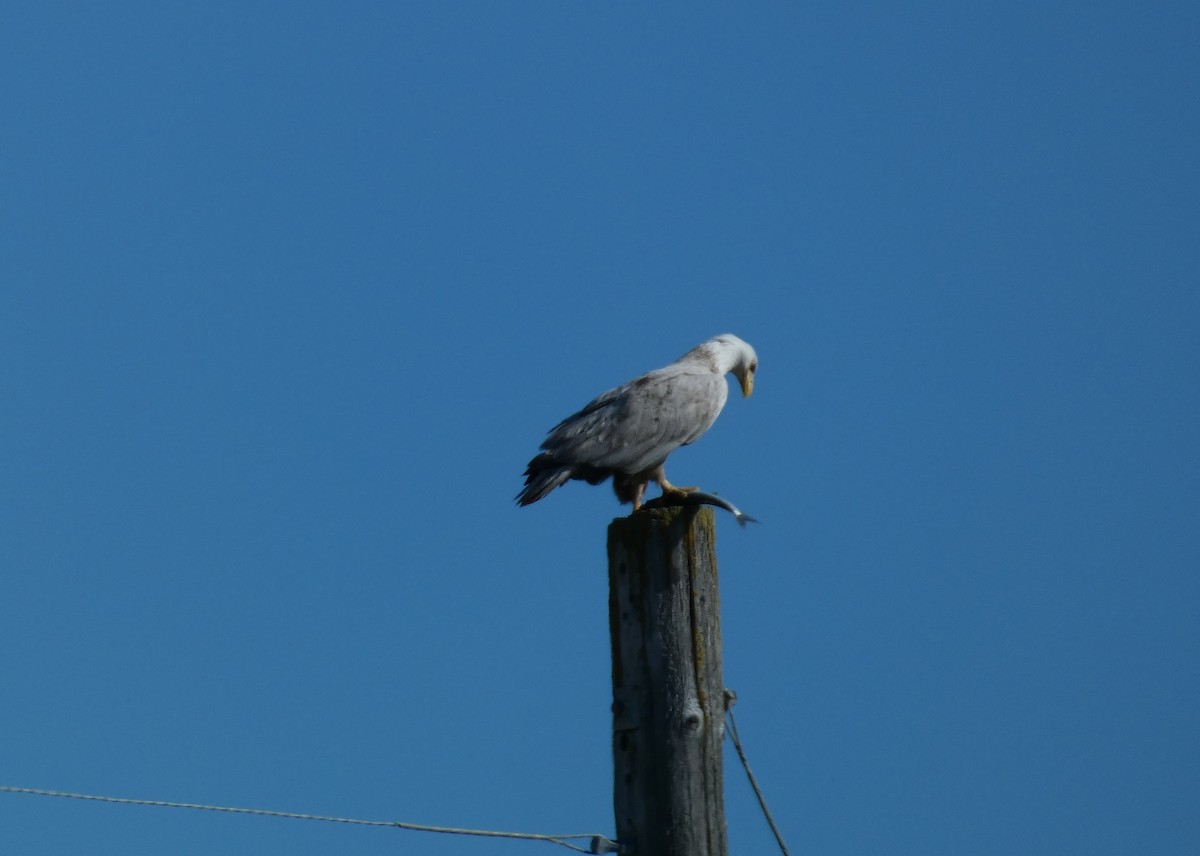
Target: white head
column 734, row 355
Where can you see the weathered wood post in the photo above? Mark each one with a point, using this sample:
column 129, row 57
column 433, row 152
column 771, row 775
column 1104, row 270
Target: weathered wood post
column 668, row 691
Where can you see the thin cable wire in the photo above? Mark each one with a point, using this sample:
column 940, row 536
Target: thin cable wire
column 599, row 843
column 737, row 744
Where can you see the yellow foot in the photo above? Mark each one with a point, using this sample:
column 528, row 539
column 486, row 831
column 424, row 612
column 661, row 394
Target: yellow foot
column 676, row 490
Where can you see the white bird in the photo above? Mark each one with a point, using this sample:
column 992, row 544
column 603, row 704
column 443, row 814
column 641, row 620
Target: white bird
column 628, row 432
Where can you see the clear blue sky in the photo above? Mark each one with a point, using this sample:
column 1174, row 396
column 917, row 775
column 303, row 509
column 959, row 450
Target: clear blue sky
column 290, row 292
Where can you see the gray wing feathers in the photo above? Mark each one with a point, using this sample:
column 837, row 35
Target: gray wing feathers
column 635, row 426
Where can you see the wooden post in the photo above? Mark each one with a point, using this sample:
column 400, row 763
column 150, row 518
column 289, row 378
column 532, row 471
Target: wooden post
column 668, row 691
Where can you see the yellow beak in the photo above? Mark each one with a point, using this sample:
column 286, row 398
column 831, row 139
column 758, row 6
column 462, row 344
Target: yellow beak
column 747, row 382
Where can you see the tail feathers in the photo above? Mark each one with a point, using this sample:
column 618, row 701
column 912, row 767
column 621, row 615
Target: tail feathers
column 540, row 482
column 544, row 474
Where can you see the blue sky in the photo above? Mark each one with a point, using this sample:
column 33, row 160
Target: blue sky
column 290, row 292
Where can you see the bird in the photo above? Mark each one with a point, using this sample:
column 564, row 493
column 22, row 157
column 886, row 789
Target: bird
column 628, row 432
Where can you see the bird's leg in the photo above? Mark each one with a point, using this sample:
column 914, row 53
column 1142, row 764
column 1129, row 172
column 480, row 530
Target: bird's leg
column 660, row 476
column 638, row 493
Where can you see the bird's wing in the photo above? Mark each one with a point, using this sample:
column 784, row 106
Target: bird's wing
column 635, row 426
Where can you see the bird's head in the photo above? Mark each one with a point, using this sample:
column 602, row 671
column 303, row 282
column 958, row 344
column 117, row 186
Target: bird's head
column 735, row 355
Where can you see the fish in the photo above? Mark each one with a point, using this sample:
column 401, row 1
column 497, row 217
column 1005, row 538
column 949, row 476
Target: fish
column 699, row 497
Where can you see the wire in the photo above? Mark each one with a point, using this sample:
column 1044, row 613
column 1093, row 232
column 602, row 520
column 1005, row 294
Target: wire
column 598, row 843
column 737, row 744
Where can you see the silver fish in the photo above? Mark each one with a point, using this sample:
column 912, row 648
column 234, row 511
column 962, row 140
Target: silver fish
column 699, row 497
